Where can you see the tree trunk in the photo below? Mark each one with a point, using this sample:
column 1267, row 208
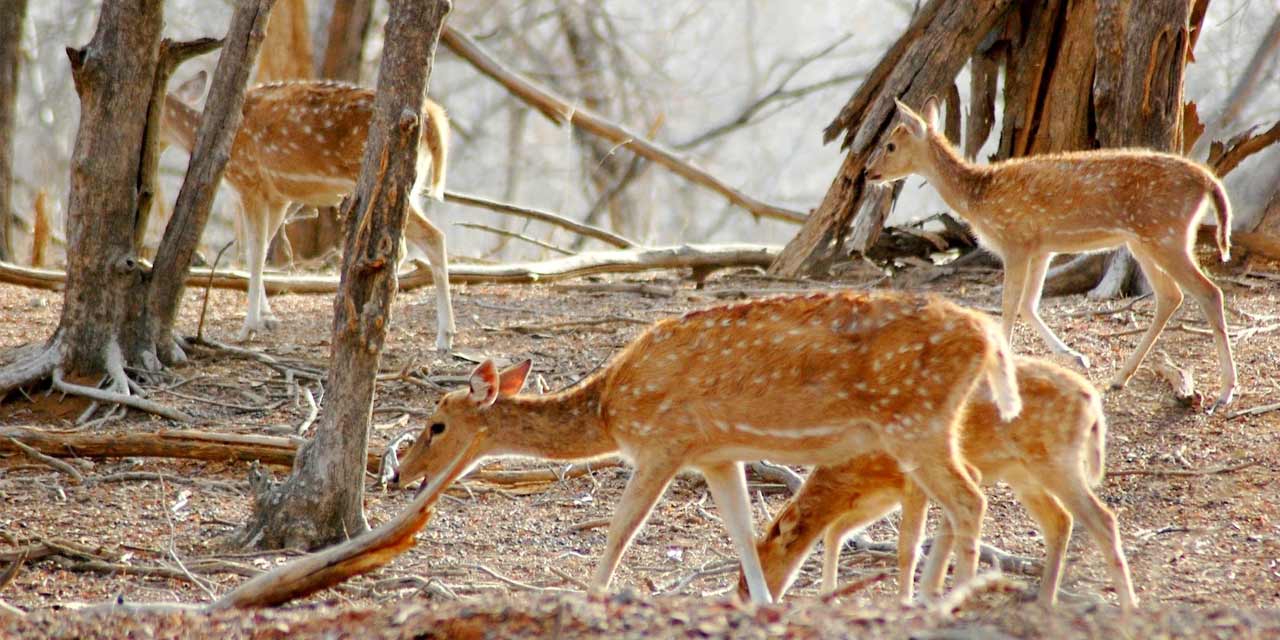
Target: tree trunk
column 112, row 76
column 153, row 330
column 321, row 503
column 12, row 14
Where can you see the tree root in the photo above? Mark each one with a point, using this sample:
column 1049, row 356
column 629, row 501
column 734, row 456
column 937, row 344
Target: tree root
column 29, row 364
column 121, row 397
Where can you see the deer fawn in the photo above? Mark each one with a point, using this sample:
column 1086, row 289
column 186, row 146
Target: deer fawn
column 1050, row 455
column 801, row 380
column 1027, row 209
column 303, row 141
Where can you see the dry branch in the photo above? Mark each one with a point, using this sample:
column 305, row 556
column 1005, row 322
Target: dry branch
column 1224, row 158
column 583, row 264
column 603, row 235
column 560, row 111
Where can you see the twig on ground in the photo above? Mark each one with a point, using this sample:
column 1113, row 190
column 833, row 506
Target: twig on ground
column 588, row 524
column 708, row 570
column 50, row 461
column 986, row 582
column 103, row 395
column 11, row 571
column 573, row 324
column 173, row 550
column 855, row 586
column 568, row 578
column 1182, row 472
column 1253, row 411
column 513, row 582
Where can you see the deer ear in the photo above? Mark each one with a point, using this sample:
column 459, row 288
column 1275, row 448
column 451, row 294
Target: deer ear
column 511, row 381
column 191, row 90
column 914, row 123
column 484, row 384
column 932, row 110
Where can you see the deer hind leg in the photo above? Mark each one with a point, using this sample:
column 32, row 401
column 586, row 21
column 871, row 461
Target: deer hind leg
column 431, row 240
column 642, row 493
column 1015, row 278
column 915, row 509
column 1097, row 519
column 728, row 487
column 866, row 509
column 945, row 481
column 1029, row 304
column 1168, row 299
column 1055, row 525
column 1179, row 263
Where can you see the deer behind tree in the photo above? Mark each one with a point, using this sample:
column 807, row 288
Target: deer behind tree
column 303, row 141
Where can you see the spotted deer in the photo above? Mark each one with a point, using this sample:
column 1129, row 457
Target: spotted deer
column 303, row 141
column 1027, row 209
column 802, row 380
column 1050, row 455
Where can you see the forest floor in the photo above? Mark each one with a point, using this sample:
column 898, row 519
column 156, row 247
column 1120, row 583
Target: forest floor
column 1196, row 495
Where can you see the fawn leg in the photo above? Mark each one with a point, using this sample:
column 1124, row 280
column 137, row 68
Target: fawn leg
column 728, row 487
column 275, row 215
column 946, row 482
column 1029, row 304
column 915, row 509
column 642, row 493
column 254, row 217
column 1168, row 299
column 1055, row 524
column 1098, row 520
column 432, row 243
column 1181, row 266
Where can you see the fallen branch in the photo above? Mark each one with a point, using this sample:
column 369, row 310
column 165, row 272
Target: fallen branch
column 11, row 571
column 1179, row 378
column 113, row 397
column 1253, row 411
column 55, row 463
column 560, row 111
column 515, row 236
column 854, row 587
column 1223, row 158
column 583, row 264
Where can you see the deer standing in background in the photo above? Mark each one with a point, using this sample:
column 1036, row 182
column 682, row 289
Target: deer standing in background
column 800, row 380
column 303, row 141
column 1027, row 209
column 1049, row 455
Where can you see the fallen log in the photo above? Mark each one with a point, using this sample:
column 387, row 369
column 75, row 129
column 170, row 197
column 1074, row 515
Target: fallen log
column 576, row 266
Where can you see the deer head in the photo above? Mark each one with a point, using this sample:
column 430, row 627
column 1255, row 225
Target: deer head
column 455, row 435
column 906, row 149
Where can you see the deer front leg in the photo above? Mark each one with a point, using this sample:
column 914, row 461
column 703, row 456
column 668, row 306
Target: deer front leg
column 432, row 242
column 1015, row 276
column 1032, row 288
column 642, row 493
column 728, row 487
column 915, row 509
column 258, row 318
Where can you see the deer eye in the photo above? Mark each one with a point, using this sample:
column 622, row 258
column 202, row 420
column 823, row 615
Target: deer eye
column 891, row 147
column 437, row 428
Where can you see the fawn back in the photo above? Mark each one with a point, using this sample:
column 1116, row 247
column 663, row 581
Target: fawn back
column 1051, row 455
column 807, row 380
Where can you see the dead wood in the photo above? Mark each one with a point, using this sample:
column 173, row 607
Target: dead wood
column 583, row 264
column 1223, row 158
column 560, row 111
column 855, row 586
column 1179, row 378
column 49, row 461
column 603, row 235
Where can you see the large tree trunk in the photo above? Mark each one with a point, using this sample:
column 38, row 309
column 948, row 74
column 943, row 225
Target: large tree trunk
column 12, row 15
column 321, row 503
column 106, row 175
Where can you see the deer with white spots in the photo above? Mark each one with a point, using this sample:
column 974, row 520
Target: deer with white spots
column 303, row 141
column 1027, row 209
column 1049, row 455
column 800, row 380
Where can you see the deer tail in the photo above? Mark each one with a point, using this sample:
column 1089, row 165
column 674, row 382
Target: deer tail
column 436, row 138
column 1223, row 208
column 1002, row 375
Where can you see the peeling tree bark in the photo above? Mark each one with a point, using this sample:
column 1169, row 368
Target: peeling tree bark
column 321, row 503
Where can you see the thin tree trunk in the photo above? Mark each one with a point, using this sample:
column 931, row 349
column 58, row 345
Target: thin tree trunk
column 321, row 502
column 218, row 126
column 12, row 15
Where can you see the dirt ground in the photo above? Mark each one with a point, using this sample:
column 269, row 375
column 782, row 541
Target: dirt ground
column 1195, row 494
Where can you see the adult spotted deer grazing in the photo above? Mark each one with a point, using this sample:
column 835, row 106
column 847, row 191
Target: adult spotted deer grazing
column 1050, row 455
column 303, row 141
column 1027, row 209
column 803, row 380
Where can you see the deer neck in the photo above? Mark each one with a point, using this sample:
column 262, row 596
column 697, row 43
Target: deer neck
column 180, row 123
column 564, row 425
column 959, row 182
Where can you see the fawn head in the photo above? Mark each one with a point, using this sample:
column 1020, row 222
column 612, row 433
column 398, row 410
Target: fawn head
column 906, row 148
column 454, row 437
